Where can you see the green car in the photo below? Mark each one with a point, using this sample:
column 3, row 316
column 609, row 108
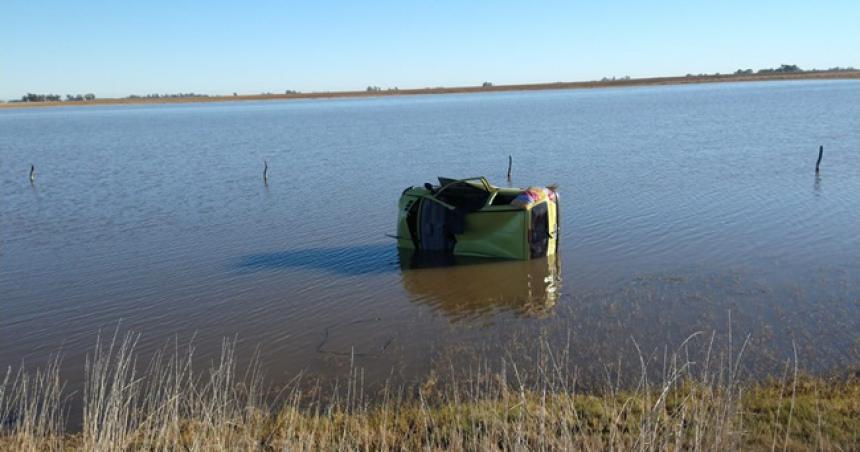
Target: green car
column 471, row 217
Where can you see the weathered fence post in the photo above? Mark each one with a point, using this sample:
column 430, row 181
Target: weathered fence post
column 32, row 173
column 510, row 162
column 265, row 172
column 820, row 154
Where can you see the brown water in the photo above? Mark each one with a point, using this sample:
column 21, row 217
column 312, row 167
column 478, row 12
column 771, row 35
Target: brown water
column 682, row 206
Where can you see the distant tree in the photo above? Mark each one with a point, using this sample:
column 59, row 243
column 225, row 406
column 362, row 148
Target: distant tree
column 373, row 89
column 31, row 97
column 487, row 84
column 234, row 94
column 89, row 96
column 781, row 68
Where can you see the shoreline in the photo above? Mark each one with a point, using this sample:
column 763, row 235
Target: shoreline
column 173, row 404
column 652, row 81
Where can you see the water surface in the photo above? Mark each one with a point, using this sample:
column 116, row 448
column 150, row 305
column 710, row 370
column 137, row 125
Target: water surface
column 682, row 207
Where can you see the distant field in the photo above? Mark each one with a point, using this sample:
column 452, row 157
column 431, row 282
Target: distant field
column 811, row 75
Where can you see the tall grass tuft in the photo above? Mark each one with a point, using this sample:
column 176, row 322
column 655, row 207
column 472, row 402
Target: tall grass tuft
column 31, row 408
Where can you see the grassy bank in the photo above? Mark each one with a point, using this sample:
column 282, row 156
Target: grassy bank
column 651, row 81
column 167, row 405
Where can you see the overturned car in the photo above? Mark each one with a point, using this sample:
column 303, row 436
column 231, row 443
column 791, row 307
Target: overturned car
column 471, row 217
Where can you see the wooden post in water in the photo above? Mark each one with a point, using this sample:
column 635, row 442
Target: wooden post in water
column 32, row 174
column 510, row 162
column 265, row 172
column 820, row 154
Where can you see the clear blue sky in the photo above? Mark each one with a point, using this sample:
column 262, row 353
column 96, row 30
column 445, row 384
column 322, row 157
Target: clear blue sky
column 116, row 48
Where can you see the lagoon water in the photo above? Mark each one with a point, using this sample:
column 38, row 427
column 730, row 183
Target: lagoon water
column 684, row 209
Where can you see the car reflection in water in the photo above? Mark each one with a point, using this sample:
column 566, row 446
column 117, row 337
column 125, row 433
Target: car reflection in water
column 465, row 288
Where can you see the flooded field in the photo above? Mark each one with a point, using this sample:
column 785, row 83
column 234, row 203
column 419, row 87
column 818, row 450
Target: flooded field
column 684, row 209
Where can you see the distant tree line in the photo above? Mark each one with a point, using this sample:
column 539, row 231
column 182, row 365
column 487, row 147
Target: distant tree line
column 376, row 89
column 612, row 79
column 782, row 69
column 79, row 97
column 837, row 69
column 165, row 96
column 31, row 97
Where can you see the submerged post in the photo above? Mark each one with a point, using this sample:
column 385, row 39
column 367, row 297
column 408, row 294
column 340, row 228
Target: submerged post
column 32, row 174
column 510, row 162
column 265, row 172
column 820, row 154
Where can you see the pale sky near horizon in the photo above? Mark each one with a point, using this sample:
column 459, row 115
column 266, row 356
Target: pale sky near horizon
column 117, row 48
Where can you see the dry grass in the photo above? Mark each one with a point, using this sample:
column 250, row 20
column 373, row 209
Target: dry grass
column 680, row 404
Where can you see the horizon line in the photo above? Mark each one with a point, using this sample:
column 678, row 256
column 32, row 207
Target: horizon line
column 375, row 91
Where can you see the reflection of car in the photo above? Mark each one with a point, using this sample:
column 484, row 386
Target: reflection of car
column 470, row 217
column 464, row 287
